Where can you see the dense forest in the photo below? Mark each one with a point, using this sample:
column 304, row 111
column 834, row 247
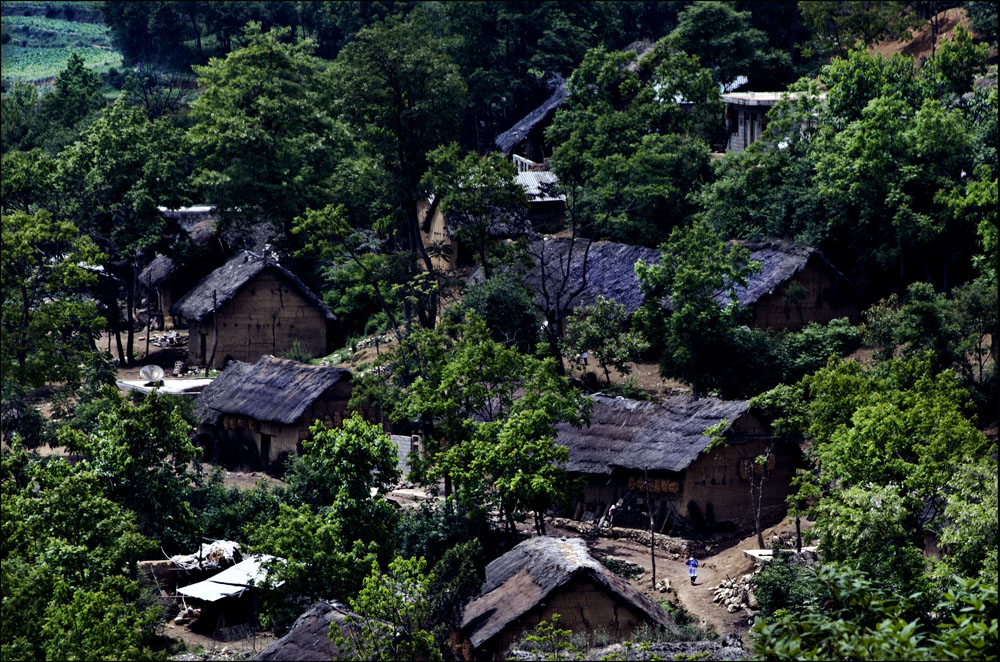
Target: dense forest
column 317, row 130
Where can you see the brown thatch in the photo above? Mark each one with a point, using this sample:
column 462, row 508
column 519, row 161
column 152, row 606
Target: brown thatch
column 779, row 261
column 157, row 271
column 276, row 390
column 509, row 139
column 227, row 280
column 522, row 578
column 610, row 272
column 309, row 638
column 660, row 436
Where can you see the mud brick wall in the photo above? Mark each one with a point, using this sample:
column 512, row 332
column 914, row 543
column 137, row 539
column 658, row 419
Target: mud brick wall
column 583, row 606
column 814, row 295
column 267, row 316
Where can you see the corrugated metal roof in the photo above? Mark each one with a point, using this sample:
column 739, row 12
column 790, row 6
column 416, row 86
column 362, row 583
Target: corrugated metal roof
column 537, row 184
column 231, row 581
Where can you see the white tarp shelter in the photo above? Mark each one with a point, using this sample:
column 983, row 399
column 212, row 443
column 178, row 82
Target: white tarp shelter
column 231, row 581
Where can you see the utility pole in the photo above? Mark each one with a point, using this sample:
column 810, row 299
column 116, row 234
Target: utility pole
column 652, row 540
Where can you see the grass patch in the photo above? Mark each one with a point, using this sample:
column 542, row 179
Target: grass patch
column 626, row 569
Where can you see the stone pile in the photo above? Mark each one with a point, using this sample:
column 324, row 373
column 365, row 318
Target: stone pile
column 735, row 594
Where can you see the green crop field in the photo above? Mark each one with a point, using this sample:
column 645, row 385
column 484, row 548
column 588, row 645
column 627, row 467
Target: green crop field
column 36, row 48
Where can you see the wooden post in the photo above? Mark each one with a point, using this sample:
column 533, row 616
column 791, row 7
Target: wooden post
column 215, row 340
column 652, row 540
column 149, row 309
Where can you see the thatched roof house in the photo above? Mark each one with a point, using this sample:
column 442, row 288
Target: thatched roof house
column 163, row 280
column 309, row 637
column 545, row 576
column 254, row 415
column 796, row 284
column 262, row 308
column 527, row 137
column 440, row 234
column 689, row 487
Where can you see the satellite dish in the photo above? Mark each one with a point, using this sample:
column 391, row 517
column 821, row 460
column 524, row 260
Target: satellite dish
column 151, row 373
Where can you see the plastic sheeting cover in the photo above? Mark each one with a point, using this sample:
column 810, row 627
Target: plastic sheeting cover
column 231, row 581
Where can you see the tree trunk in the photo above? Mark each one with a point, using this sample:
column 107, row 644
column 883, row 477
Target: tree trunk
column 130, row 315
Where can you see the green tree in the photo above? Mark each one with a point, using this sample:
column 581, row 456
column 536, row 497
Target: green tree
column 66, row 548
column 956, row 64
column 723, row 40
column 625, row 155
column 267, row 145
column 602, row 329
column 887, row 442
column 695, row 265
column 143, row 454
column 402, row 96
column 339, row 468
column 319, row 560
column 114, row 178
column 20, row 124
column 479, row 195
column 48, row 325
column 859, row 619
column 72, row 105
column 839, row 25
column 507, row 307
column 393, row 614
column 969, row 535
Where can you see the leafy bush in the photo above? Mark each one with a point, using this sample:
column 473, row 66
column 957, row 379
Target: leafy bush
column 783, row 584
column 626, row 569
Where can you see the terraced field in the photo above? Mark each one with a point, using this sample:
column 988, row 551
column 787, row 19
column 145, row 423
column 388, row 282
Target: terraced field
column 36, row 48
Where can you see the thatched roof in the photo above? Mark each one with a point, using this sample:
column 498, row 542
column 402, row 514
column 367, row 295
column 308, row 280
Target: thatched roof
column 523, row 577
column 157, row 271
column 611, row 270
column 779, row 262
column 663, row 436
column 309, row 638
column 272, row 389
column 227, row 280
column 509, row 139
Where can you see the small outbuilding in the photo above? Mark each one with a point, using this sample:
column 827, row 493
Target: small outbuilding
column 249, row 307
column 255, row 415
column 691, row 488
column 545, row 576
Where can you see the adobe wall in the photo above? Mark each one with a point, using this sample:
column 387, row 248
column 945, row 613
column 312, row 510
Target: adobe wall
column 583, row 606
column 713, row 493
column 437, row 234
column 266, row 316
column 717, row 485
column 824, row 298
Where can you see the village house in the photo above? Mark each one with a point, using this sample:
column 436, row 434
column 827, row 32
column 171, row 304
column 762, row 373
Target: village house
column 444, row 242
column 747, row 116
column 162, row 281
column 543, row 576
column 796, row 284
column 690, row 487
column 309, row 639
column 248, row 307
column 255, row 415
